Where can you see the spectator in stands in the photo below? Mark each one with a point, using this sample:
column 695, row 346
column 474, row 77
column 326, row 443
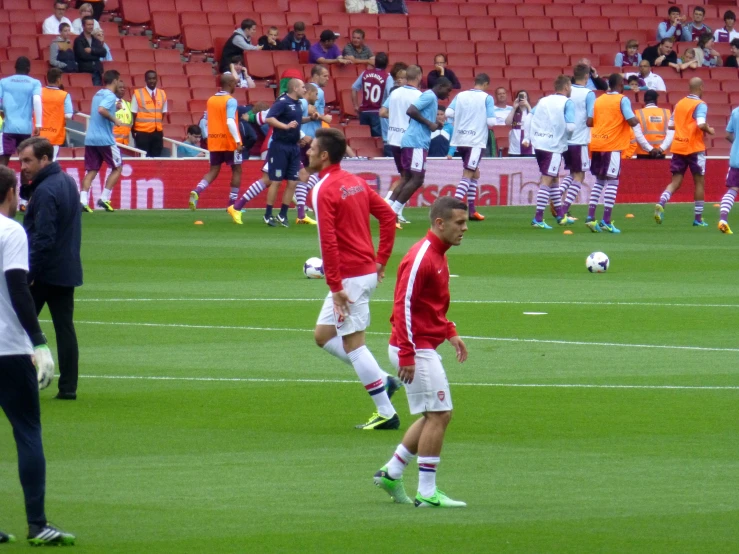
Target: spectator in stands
column 636, row 83
column 651, row 80
column 325, row 50
column 629, row 57
column 193, row 138
column 374, row 85
column 673, row 26
column 357, row 51
column 521, row 109
column 502, row 108
column 690, row 60
column 61, row 52
column 238, row 43
column 440, row 139
column 96, row 5
column 360, row 6
column 654, row 123
column 660, row 55
column 88, row 51
column 295, row 39
column 270, row 41
column 441, row 70
column 148, row 107
column 728, row 33
column 594, row 81
column 711, row 58
column 100, row 35
column 239, row 72
column 85, row 11
column 693, row 30
column 392, row 6
column 733, row 59
column 51, row 23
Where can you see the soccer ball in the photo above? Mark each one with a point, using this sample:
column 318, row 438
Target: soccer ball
column 313, row 268
column 597, row 262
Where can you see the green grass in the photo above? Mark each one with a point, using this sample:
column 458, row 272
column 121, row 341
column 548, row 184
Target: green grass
column 270, row 462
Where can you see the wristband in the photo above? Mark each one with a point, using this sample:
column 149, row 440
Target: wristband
column 39, row 340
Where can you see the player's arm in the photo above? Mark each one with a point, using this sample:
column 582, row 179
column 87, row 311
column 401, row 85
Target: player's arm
column 37, row 108
column 277, row 109
column 385, row 109
column 570, row 117
column 402, row 325
column 630, row 117
column 231, row 110
column 589, row 108
column 356, row 87
column 700, row 114
column 527, row 127
column 730, row 137
column 381, row 211
column 414, row 112
column 68, row 108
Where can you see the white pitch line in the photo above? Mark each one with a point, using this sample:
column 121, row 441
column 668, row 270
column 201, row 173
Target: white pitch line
column 468, row 337
column 515, row 302
column 354, row 382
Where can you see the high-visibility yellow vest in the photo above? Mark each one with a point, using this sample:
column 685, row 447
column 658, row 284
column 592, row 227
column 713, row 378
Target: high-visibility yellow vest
column 150, row 110
column 123, row 132
column 653, row 121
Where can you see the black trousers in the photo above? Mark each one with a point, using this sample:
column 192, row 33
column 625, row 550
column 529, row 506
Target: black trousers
column 152, row 143
column 19, row 400
column 97, row 8
column 61, row 305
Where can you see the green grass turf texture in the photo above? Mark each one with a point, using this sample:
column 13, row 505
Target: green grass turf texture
column 149, row 466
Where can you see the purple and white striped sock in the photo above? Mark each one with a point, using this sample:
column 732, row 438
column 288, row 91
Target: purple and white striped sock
column 462, row 187
column 542, row 200
column 555, row 196
column 595, row 197
column 472, row 196
column 727, row 202
column 233, row 195
column 202, row 185
column 572, row 191
column 301, row 194
column 251, row 193
column 427, row 475
column 564, row 186
column 665, row 198
column 609, row 199
column 699, row 210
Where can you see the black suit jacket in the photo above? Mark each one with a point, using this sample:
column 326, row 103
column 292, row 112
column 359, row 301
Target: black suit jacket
column 53, row 223
column 88, row 63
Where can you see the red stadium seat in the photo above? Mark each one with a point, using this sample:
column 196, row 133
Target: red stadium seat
column 523, row 60
column 525, row 84
column 586, row 11
column 188, row 6
column 549, row 47
column 140, row 56
column 201, row 81
column 261, row 94
column 28, row 42
column 394, row 34
column 418, row 8
column 496, row 49
column 174, row 81
column 139, row 68
column 181, row 118
column 259, row 64
column 533, row 11
column 474, row 10
column 135, row 43
column 266, row 6
column 274, row 19
column 511, row 72
column 550, row 60
column 199, row 69
column 197, row 106
column 345, row 102
column 483, row 35
column 285, row 57
column 558, row 10
column 330, row 6
column 565, row 23
column 463, row 47
column 536, row 23
column 501, row 10
column 197, row 38
column 364, row 20
column 22, row 16
column 547, row 73
column 169, row 68
column 162, row 6
column 305, row 6
column 514, row 35
column 430, row 22
column 443, row 9
column 199, row 93
column 519, row 48
column 135, row 13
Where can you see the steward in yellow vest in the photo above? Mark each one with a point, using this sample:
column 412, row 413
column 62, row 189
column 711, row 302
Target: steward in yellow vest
column 654, row 123
column 149, row 104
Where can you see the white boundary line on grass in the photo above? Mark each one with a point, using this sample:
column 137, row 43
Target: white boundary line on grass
column 353, row 382
column 468, row 337
column 516, row 302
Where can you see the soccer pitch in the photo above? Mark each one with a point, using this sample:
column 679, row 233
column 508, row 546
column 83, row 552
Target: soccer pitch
column 208, row 421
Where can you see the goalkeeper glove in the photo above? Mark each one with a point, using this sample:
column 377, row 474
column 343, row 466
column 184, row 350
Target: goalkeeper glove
column 44, row 365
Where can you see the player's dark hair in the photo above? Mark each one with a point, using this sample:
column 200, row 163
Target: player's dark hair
column 667, row 39
column 443, row 207
column 63, row 26
column 381, row 60
column 317, row 70
column 358, row 32
column 673, row 9
column 442, row 82
column 413, row 73
column 333, row 142
column 247, row 24
column 150, row 72
column 86, row 19
column 482, row 79
column 54, row 75
column 633, row 79
column 561, row 82
column 62, row 2
column 8, row 181
column 699, row 9
column 194, row 130
column 651, row 97
column 397, row 68
column 22, row 66
column 299, row 26
column 615, row 80
column 41, row 147
column 728, row 14
column 310, row 87
column 110, row 76
column 580, row 71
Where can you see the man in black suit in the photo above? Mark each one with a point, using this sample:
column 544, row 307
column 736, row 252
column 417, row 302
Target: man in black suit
column 54, row 228
column 88, row 51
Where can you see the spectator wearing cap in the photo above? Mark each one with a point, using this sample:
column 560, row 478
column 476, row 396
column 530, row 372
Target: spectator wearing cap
column 629, row 57
column 693, row 30
column 441, row 70
column 238, row 42
column 728, row 33
column 360, row 6
column 85, row 11
column 357, row 51
column 295, row 39
column 51, row 23
column 325, row 50
column 61, row 52
column 270, row 41
column 662, row 54
column 673, row 26
column 392, row 6
column 733, row 59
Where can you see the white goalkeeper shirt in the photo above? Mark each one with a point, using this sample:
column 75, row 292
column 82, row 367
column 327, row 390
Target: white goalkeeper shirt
column 397, row 104
column 473, row 111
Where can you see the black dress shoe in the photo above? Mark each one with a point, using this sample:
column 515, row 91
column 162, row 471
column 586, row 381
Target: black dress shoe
column 66, row 396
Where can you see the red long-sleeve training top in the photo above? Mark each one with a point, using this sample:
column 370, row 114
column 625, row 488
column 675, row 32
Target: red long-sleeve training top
column 343, row 203
column 422, row 300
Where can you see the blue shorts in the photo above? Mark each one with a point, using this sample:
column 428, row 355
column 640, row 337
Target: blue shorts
column 284, row 161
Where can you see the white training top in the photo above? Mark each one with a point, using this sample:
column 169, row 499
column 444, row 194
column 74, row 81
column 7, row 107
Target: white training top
column 580, row 98
column 397, row 104
column 548, row 126
column 13, row 255
column 473, row 111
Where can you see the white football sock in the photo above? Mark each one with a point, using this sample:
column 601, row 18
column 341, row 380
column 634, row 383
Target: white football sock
column 106, row 195
column 397, row 207
column 400, row 460
column 84, row 200
column 373, row 379
column 427, row 475
column 335, row 347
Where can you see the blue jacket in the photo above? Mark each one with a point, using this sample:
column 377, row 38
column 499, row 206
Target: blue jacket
column 53, row 223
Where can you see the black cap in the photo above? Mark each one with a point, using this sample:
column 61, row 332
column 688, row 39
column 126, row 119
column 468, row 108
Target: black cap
column 327, row 35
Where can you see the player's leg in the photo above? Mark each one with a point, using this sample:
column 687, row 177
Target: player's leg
column 60, row 301
column 610, row 192
column 216, row 159
column 286, row 199
column 573, row 189
column 395, row 187
column 600, row 182
column 472, row 197
column 93, row 163
column 464, row 183
column 112, row 157
column 548, row 163
column 251, row 193
column 304, row 187
column 727, row 202
column 698, row 169
column 292, row 174
column 678, row 167
column 414, row 162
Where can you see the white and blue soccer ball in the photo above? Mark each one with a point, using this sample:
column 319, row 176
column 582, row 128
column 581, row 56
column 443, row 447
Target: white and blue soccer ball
column 313, row 268
column 597, row 262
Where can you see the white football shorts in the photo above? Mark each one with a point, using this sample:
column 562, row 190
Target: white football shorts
column 429, row 391
column 360, row 290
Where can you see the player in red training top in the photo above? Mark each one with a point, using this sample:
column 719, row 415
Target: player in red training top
column 343, row 203
column 419, row 327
